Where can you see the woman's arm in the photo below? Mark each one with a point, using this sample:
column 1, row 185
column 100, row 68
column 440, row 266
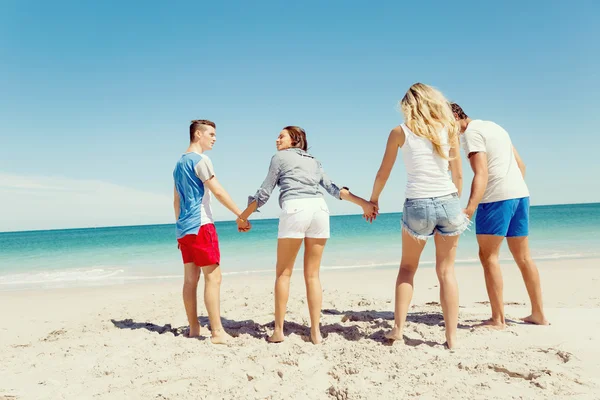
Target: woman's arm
column 263, row 193
column 370, row 210
column 328, row 184
column 456, row 166
column 395, row 141
column 248, row 211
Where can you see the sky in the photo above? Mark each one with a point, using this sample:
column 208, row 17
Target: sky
column 96, row 97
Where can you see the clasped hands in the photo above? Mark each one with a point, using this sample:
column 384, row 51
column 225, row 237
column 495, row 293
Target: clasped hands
column 243, row 225
column 370, row 210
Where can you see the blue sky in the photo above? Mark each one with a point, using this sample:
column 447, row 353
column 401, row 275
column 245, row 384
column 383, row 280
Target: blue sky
column 97, row 97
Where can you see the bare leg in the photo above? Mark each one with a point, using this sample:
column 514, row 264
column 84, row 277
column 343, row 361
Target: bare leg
column 519, row 247
column 313, row 252
column 411, row 253
column 212, row 301
column 445, row 254
column 191, row 275
column 489, row 249
column 287, row 250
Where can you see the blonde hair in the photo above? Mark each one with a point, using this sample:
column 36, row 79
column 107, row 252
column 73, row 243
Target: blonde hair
column 426, row 112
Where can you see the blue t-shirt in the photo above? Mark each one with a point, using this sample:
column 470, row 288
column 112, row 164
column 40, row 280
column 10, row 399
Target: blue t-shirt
column 191, row 171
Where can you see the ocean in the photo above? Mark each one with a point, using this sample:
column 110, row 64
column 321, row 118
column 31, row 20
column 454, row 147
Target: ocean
column 123, row 255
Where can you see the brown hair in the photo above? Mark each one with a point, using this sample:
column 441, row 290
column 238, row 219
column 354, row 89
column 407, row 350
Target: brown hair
column 199, row 125
column 456, row 109
column 298, row 137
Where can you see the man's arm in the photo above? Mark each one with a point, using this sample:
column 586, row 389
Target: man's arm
column 206, row 173
column 176, row 204
column 456, row 166
column 480, row 180
column 221, row 194
column 520, row 162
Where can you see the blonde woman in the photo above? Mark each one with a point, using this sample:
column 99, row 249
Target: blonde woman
column 429, row 143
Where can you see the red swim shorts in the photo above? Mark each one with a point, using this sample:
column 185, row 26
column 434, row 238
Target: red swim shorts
column 201, row 249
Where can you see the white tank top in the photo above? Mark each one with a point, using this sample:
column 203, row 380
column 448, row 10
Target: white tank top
column 428, row 174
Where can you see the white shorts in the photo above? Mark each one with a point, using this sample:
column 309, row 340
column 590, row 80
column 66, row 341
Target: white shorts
column 302, row 218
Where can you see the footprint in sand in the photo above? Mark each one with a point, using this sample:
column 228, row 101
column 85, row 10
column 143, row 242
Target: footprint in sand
column 54, row 335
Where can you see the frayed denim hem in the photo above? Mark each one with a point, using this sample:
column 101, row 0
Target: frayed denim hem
column 413, row 233
column 460, row 230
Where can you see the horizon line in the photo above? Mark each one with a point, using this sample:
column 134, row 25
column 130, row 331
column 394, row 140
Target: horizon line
column 233, row 220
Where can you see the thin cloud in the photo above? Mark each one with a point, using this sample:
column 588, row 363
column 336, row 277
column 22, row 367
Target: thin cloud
column 38, row 202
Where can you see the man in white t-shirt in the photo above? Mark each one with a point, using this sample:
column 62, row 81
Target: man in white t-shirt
column 501, row 198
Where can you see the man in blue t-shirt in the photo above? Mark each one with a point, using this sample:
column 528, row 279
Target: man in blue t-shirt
column 195, row 179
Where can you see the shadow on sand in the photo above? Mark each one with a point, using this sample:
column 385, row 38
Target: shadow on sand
column 351, row 332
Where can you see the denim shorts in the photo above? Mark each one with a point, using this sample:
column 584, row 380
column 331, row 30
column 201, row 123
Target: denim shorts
column 422, row 218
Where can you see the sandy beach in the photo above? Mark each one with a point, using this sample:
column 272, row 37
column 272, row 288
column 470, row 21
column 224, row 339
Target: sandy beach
column 126, row 342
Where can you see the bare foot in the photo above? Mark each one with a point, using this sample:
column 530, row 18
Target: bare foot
column 394, row 334
column 194, row 331
column 492, row 324
column 276, row 337
column 316, row 338
column 451, row 342
column 219, row 336
column 536, row 320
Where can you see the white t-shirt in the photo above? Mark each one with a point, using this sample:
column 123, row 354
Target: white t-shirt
column 204, row 171
column 505, row 180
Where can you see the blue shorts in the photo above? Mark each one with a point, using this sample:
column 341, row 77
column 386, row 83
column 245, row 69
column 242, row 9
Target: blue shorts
column 508, row 218
column 421, row 218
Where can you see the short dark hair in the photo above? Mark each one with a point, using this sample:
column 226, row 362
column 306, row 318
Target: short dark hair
column 456, row 109
column 199, row 124
column 298, row 137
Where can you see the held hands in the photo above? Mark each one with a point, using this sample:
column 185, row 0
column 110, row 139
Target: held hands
column 370, row 210
column 243, row 225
